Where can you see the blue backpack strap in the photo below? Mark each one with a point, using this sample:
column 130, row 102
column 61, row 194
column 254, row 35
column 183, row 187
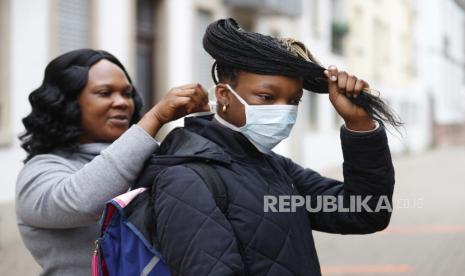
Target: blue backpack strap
column 213, row 181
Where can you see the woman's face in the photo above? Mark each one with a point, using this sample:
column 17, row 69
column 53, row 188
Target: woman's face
column 106, row 103
column 257, row 89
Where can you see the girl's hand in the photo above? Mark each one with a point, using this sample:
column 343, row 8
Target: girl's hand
column 343, row 86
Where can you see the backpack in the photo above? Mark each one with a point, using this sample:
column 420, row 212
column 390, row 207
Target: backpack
column 126, row 246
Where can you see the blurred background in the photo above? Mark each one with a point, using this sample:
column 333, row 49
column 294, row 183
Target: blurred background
column 412, row 51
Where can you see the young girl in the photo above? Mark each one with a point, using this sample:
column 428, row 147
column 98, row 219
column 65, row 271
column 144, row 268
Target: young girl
column 260, row 84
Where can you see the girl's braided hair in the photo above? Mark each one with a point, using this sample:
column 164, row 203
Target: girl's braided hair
column 235, row 49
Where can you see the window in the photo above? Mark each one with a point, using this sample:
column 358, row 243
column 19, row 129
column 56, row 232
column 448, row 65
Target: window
column 380, row 42
column 202, row 61
column 357, row 30
column 73, row 25
column 315, row 19
column 339, row 26
column 338, row 33
column 5, row 126
column 446, row 47
column 313, row 110
column 145, row 51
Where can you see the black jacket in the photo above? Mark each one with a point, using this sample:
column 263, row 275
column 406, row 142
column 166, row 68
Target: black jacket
column 196, row 238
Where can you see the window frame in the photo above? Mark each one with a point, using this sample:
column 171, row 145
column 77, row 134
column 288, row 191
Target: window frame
column 5, row 105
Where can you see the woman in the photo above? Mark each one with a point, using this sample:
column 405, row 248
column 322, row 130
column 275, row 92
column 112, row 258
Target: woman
column 257, row 95
column 86, row 143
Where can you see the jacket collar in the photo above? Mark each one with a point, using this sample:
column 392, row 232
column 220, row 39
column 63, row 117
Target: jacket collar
column 234, row 143
column 203, row 138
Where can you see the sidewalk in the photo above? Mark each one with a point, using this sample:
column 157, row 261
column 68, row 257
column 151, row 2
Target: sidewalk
column 424, row 240
column 16, row 260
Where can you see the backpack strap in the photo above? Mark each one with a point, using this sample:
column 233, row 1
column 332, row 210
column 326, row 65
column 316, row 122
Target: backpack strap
column 213, row 181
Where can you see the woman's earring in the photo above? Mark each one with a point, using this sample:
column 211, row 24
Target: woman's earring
column 225, row 107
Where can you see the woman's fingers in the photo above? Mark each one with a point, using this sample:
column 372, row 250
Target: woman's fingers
column 186, row 104
column 181, row 101
column 187, row 86
column 197, row 98
column 197, row 95
column 187, row 92
column 201, row 99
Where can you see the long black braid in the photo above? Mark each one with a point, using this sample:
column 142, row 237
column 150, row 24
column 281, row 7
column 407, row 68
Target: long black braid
column 236, row 49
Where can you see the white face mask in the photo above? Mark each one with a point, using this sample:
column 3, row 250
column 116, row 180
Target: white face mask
column 265, row 125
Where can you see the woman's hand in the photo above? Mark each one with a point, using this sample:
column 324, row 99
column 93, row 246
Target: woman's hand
column 178, row 102
column 343, row 86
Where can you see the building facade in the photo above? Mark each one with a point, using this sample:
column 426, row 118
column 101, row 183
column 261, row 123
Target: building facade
column 440, row 59
column 416, row 63
column 159, row 42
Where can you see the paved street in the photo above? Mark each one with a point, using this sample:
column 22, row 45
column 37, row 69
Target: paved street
column 425, row 240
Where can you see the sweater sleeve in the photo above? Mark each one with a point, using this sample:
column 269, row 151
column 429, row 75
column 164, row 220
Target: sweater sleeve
column 51, row 193
column 368, row 175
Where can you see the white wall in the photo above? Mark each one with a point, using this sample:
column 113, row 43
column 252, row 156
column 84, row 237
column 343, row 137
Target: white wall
column 29, row 56
column 114, row 29
column 442, row 77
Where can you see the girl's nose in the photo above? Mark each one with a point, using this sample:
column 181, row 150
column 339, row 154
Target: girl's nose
column 282, row 101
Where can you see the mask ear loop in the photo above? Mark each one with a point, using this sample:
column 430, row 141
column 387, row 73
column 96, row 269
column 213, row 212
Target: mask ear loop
column 212, row 102
column 241, row 100
column 215, row 80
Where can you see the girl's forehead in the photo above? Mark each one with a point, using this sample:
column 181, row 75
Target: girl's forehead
column 274, row 83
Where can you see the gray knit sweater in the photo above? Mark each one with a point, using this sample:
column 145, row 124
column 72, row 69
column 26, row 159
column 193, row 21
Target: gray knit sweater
column 60, row 197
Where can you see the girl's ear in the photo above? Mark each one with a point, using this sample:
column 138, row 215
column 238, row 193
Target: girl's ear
column 222, row 94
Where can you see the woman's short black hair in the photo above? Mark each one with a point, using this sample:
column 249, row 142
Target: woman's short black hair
column 55, row 118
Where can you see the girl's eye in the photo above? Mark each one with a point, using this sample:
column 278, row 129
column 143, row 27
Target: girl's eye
column 265, row 97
